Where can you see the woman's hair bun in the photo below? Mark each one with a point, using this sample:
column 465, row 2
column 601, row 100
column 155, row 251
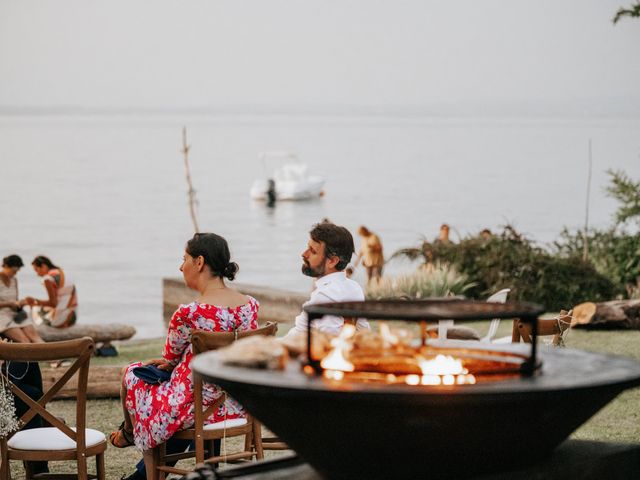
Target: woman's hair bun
column 231, row 270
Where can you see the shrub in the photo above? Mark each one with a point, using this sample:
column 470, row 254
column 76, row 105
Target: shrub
column 616, row 255
column 510, row 260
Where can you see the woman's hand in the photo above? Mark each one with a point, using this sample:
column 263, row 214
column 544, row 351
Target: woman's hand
column 161, row 363
column 29, row 301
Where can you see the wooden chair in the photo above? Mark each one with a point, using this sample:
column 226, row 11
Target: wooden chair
column 546, row 326
column 59, row 441
column 204, row 435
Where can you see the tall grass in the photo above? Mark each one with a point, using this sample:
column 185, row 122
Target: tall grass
column 432, row 280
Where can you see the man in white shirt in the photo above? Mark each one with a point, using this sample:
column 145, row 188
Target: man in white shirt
column 328, row 253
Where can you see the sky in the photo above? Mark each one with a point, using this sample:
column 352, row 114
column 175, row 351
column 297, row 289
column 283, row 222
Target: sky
column 467, row 56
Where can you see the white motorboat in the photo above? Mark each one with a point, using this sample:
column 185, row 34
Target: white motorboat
column 290, row 177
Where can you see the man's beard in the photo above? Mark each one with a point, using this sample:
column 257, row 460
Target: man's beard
column 311, row 272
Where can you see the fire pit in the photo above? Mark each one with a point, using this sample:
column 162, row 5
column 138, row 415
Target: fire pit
column 347, row 428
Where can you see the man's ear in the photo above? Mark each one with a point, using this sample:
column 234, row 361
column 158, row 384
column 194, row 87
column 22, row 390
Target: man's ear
column 332, row 261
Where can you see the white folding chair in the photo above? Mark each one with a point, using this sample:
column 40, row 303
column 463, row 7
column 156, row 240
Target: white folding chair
column 498, row 297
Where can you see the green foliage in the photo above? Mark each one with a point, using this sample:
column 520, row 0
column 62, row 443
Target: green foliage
column 632, row 11
column 627, row 192
column 510, row 260
column 614, row 254
column 439, row 280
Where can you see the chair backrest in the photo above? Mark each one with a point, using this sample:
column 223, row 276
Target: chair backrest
column 79, row 349
column 548, row 326
column 498, row 297
column 204, row 341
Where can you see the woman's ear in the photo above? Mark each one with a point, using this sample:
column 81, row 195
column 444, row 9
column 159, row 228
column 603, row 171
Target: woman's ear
column 200, row 263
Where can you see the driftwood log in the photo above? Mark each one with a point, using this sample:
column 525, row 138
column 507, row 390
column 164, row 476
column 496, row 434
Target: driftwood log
column 617, row 314
column 99, row 333
column 104, row 381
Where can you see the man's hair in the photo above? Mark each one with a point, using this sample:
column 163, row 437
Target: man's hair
column 337, row 241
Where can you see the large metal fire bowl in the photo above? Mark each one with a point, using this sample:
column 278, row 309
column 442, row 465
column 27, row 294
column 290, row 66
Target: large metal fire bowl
column 354, row 430
column 346, row 429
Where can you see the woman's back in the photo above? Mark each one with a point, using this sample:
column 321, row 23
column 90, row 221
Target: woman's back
column 170, row 404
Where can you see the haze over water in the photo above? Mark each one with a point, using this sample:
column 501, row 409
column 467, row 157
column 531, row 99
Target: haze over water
column 417, row 112
column 105, row 196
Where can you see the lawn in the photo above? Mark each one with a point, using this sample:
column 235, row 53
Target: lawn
column 618, row 421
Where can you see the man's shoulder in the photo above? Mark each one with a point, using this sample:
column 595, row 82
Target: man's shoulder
column 343, row 289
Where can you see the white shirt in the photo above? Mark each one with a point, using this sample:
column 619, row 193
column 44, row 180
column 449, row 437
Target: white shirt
column 334, row 287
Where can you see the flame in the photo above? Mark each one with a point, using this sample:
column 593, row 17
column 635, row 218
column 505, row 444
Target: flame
column 442, row 370
column 442, row 365
column 335, row 360
column 388, row 337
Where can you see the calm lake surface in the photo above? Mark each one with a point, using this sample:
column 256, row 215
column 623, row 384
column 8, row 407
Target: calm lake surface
column 105, row 195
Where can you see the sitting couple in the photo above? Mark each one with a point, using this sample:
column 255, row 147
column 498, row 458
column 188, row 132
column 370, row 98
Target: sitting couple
column 57, row 310
column 153, row 413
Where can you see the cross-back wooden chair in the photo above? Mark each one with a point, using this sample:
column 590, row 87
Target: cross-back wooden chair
column 546, row 326
column 58, row 441
column 204, row 435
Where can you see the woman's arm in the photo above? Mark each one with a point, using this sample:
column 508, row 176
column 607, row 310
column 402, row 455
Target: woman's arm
column 52, row 301
column 10, row 304
column 178, row 336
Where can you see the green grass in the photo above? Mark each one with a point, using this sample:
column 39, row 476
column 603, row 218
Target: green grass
column 618, row 421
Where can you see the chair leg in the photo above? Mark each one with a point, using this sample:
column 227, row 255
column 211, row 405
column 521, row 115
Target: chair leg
column 28, row 471
column 159, row 459
column 257, row 439
column 5, row 471
column 82, row 467
column 100, row 472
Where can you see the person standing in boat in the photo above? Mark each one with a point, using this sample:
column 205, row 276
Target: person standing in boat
column 59, row 310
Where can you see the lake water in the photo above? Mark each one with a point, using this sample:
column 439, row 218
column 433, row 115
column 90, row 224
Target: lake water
column 105, row 195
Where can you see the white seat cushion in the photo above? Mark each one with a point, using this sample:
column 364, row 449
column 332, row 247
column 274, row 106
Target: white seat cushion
column 235, row 422
column 50, row 438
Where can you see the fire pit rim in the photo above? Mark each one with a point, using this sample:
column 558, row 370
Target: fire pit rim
column 626, row 374
column 427, row 309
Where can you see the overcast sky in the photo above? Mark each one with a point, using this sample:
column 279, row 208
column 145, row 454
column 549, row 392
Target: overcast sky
column 550, row 55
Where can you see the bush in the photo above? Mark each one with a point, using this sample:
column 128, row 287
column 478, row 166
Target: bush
column 510, row 260
column 616, row 255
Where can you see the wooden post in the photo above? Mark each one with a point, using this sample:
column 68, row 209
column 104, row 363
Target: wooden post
column 191, row 191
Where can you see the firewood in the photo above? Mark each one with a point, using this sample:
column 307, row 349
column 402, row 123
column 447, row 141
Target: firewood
column 622, row 314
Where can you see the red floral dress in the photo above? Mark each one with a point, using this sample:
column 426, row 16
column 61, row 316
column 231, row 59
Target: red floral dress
column 161, row 410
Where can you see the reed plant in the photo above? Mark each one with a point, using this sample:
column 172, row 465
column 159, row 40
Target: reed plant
column 430, row 280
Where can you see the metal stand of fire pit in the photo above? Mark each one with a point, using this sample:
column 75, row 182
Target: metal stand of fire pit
column 425, row 311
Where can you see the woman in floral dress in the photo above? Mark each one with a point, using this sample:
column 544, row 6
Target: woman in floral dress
column 154, row 412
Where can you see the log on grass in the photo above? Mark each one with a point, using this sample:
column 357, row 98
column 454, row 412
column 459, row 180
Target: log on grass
column 99, row 333
column 104, row 381
column 616, row 314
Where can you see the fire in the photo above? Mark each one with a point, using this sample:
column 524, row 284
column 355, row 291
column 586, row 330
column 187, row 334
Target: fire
column 442, row 370
column 388, row 337
column 334, row 363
